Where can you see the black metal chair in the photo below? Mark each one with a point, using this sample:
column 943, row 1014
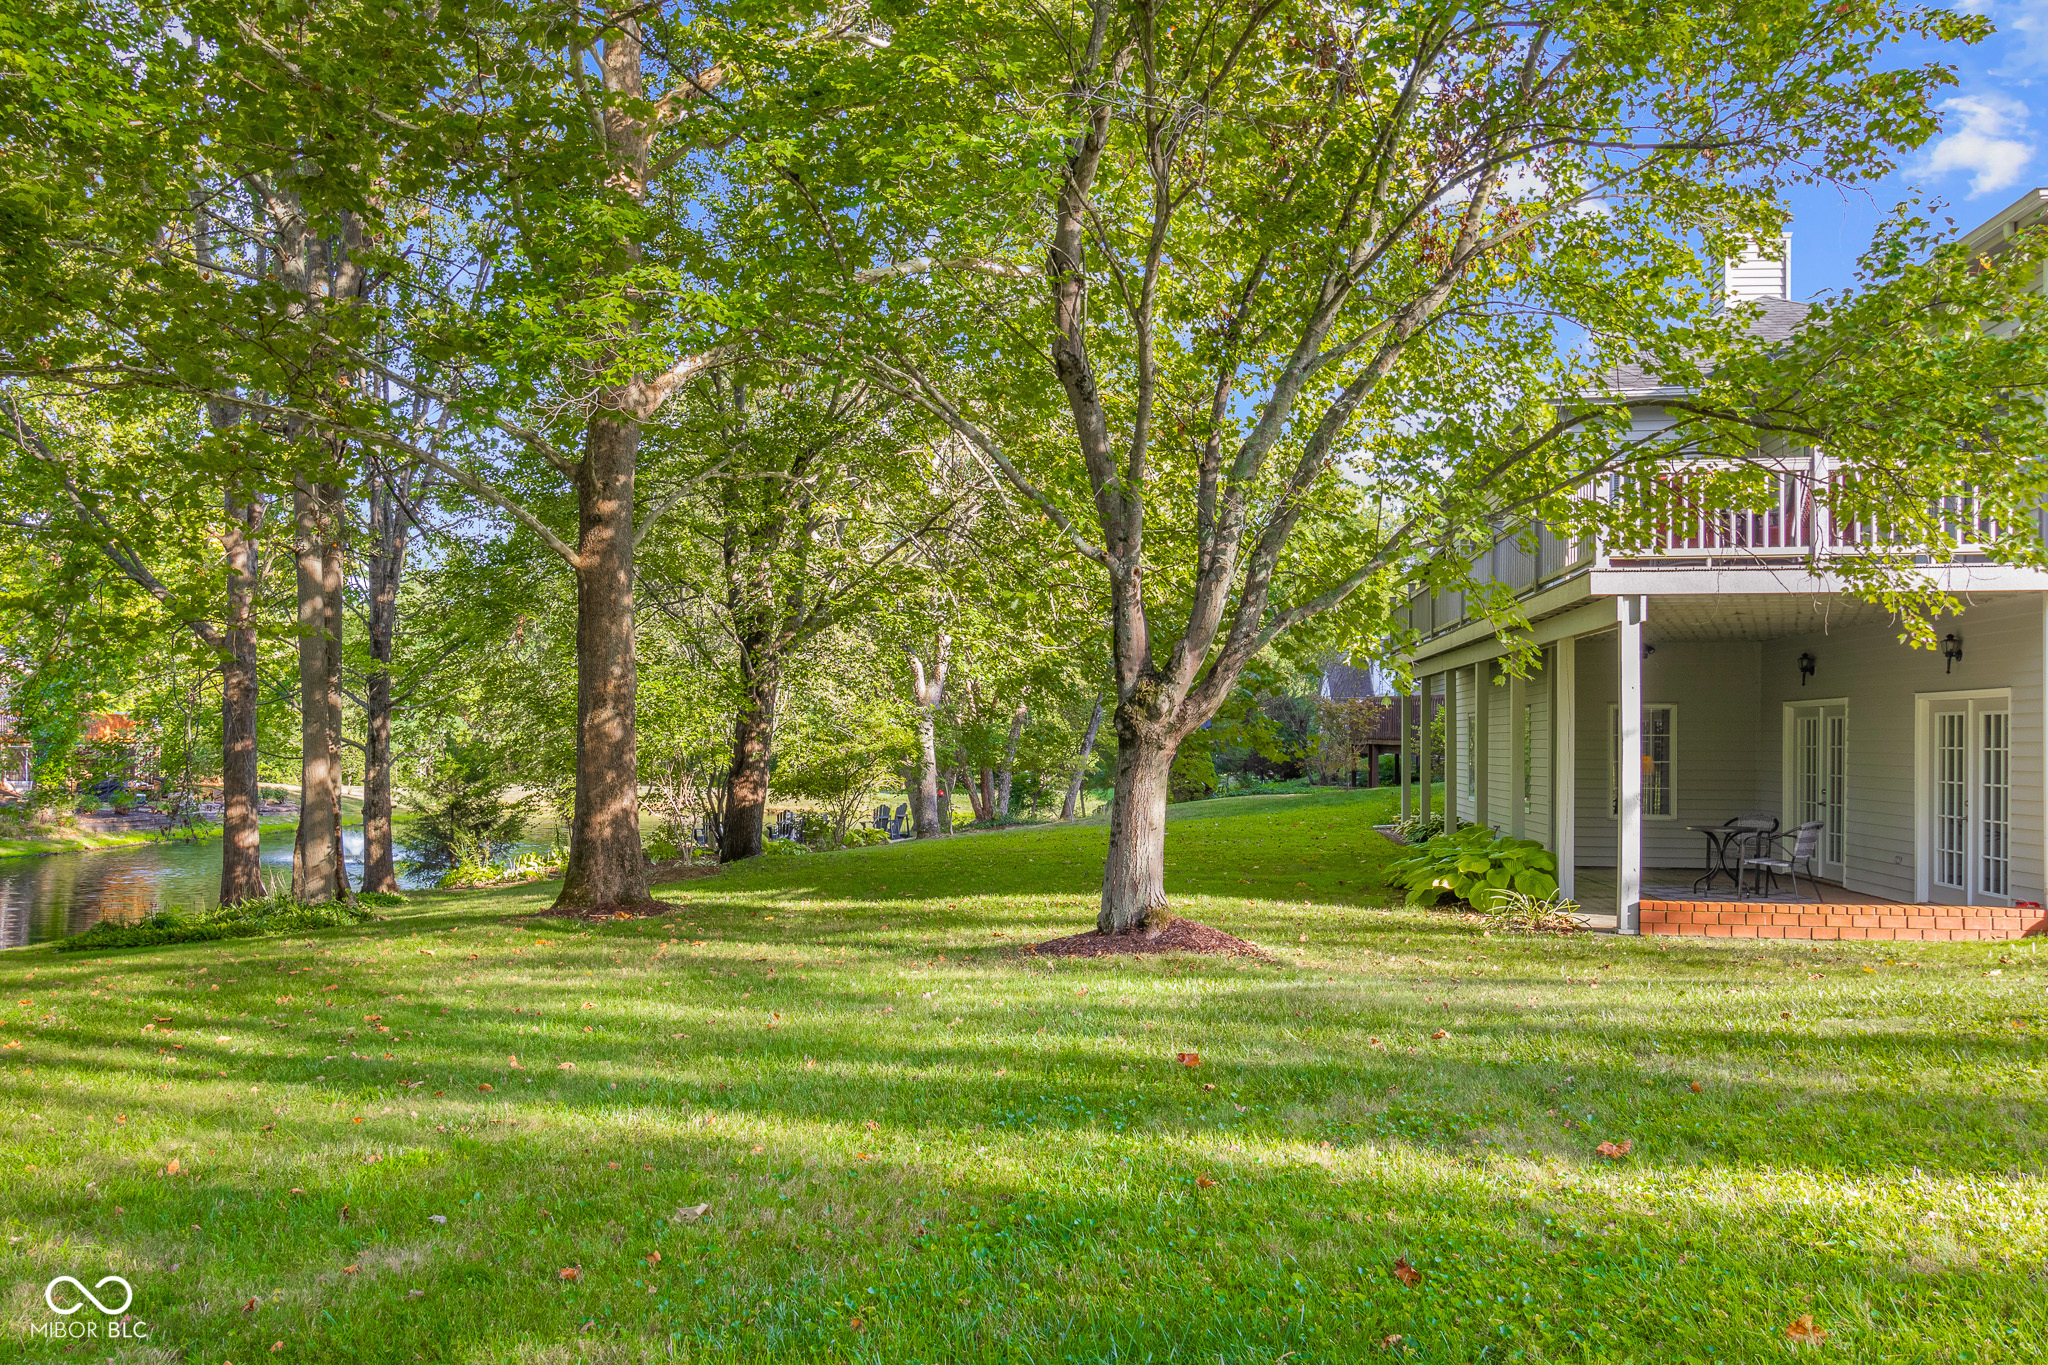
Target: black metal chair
column 1726, row 842
column 1805, row 848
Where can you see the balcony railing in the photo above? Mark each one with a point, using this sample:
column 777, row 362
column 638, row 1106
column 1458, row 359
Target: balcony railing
column 1789, row 519
column 1784, row 521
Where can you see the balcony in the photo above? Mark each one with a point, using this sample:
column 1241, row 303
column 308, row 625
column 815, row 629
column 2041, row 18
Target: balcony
column 1781, row 525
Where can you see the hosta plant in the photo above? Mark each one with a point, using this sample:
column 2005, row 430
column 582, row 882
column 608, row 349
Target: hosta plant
column 1476, row 866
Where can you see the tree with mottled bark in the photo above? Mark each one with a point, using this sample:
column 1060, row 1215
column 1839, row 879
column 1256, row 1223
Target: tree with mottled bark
column 1082, row 763
column 805, row 523
column 1312, row 285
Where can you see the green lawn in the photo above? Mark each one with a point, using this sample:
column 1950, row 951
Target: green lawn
column 916, row 1146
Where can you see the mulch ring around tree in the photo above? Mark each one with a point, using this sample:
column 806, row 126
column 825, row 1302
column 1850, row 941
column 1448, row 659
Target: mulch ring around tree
column 608, row 912
column 1174, row 936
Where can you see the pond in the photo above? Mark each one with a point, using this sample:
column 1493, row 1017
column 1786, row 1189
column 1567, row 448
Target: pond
column 59, row 894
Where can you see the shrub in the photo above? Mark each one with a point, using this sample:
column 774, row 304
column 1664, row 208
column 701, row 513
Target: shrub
column 1475, row 866
column 1515, row 912
column 476, row 866
column 1419, row 829
column 274, row 914
column 863, row 837
column 782, row 847
column 466, row 818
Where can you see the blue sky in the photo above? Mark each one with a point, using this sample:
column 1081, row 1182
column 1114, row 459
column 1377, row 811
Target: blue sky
column 1993, row 147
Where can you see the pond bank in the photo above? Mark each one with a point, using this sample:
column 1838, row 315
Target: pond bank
column 84, row 840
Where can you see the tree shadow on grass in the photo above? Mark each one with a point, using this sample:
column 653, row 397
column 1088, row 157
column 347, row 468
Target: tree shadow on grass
column 951, row 1236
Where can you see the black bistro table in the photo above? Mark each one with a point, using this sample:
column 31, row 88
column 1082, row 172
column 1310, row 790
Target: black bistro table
column 1724, row 847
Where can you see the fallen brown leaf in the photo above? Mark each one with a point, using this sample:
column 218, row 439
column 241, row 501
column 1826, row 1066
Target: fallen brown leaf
column 1188, row 1058
column 350, row 1269
column 249, row 1307
column 1697, row 1087
column 1439, row 1034
column 1615, row 1149
column 1405, row 1273
column 1801, row 1331
column 570, row 1272
column 1205, row 1182
column 690, row 1213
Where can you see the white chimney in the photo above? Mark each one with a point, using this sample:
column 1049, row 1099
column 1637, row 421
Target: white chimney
column 1754, row 275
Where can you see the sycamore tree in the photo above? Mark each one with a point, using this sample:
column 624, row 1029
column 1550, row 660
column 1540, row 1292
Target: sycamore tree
column 1325, row 293
column 818, row 494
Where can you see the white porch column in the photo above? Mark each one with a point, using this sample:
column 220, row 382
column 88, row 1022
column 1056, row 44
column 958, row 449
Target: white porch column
column 1518, row 756
column 1482, row 742
column 1451, row 754
column 1564, row 714
column 1628, row 862
column 1401, row 763
column 1423, row 760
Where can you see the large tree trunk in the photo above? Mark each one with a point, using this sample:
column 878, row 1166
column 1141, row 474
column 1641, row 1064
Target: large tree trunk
column 331, row 580
column 1081, row 772
column 313, row 866
column 387, row 564
column 1134, row 875
column 606, row 865
column 241, row 845
column 1002, row 795
column 753, row 749
column 930, row 695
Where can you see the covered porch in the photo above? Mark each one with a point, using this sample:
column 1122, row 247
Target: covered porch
column 1636, row 722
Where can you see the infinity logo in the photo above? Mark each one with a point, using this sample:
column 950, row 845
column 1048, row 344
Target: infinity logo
column 50, row 1291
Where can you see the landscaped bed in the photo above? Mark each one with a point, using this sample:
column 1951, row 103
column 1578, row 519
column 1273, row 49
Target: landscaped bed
column 832, row 1110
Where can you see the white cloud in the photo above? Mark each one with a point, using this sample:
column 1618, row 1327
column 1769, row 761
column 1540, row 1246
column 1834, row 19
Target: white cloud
column 1990, row 145
column 2024, row 24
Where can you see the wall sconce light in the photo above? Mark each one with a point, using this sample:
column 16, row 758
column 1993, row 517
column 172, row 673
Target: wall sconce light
column 1805, row 668
column 1648, row 649
column 1951, row 650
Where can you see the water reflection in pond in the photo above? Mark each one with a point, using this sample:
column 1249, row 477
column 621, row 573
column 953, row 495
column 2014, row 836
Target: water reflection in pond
column 66, row 893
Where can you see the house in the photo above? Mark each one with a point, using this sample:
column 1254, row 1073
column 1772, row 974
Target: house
column 1722, row 676
column 1344, row 682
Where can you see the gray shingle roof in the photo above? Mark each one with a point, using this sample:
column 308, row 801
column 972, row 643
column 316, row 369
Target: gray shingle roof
column 1775, row 320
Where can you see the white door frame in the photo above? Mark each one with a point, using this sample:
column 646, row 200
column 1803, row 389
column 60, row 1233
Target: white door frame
column 1788, row 767
column 1923, row 772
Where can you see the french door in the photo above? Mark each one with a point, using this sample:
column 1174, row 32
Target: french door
column 1819, row 772
column 1969, row 800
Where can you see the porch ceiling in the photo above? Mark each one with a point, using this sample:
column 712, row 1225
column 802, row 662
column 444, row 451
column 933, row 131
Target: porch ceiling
column 1754, row 617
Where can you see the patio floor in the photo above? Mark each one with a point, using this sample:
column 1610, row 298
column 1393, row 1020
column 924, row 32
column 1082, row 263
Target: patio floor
column 1822, row 911
column 1596, row 891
